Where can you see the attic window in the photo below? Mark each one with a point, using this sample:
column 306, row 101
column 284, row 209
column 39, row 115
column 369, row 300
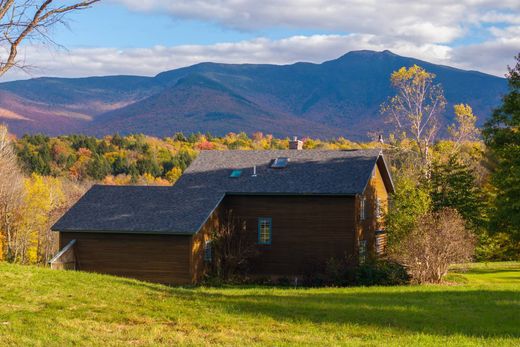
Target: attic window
column 280, row 163
column 235, row 173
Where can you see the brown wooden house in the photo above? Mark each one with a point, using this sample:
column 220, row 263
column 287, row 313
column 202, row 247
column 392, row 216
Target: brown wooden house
column 300, row 207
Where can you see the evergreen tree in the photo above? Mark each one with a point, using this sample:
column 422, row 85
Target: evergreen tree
column 502, row 136
column 98, row 167
column 453, row 185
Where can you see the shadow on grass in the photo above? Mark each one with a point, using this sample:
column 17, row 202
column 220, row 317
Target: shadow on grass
column 441, row 311
column 473, row 313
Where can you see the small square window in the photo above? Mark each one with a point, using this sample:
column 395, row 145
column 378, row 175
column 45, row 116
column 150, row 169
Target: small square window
column 264, row 231
column 280, row 162
column 235, row 173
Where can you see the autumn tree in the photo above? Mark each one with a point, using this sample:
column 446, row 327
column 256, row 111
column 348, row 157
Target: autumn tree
column 502, row 137
column 416, row 108
column 11, row 194
column 464, row 128
column 30, row 20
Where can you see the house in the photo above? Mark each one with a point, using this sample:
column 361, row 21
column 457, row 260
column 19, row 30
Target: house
column 300, row 208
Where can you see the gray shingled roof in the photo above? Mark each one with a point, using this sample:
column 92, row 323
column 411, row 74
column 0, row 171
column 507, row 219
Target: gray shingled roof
column 183, row 208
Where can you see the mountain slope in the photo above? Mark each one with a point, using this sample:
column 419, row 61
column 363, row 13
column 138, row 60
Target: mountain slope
column 196, row 101
column 337, row 97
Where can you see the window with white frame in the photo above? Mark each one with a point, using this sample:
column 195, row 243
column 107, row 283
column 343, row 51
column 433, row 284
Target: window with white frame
column 362, row 204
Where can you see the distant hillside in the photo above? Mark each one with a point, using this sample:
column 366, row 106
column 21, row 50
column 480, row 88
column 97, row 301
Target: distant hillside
column 336, row 98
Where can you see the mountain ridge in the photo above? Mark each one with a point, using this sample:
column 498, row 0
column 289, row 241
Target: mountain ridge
column 339, row 97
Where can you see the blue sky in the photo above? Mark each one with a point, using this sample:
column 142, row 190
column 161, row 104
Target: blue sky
column 149, row 36
column 113, row 25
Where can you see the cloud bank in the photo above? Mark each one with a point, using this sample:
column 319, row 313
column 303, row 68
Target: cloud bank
column 470, row 34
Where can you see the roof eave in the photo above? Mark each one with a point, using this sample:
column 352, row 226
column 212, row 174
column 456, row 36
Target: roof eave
column 141, row 232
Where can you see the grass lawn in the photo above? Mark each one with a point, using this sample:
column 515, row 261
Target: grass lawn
column 56, row 308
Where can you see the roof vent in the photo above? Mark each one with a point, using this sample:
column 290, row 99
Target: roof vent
column 235, row 174
column 280, row 163
column 296, row 144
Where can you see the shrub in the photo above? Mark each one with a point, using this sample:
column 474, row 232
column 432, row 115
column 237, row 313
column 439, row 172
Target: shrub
column 438, row 240
column 382, row 273
column 375, row 272
column 232, row 249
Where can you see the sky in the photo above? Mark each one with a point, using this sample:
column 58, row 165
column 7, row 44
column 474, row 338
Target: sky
column 145, row 37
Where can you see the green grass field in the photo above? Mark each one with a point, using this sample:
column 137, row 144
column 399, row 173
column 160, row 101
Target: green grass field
column 55, row 308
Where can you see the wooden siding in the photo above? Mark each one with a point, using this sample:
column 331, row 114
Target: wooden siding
column 306, row 230
column 197, row 264
column 367, row 228
column 154, row 258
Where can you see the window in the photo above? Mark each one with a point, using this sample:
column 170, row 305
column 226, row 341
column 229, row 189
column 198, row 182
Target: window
column 208, row 251
column 379, row 210
column 280, row 163
column 362, row 251
column 362, row 208
column 235, row 173
column 264, row 231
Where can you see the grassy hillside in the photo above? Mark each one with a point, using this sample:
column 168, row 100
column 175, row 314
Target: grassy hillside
column 53, row 308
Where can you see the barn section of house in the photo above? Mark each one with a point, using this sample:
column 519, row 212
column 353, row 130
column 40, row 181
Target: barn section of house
column 300, row 207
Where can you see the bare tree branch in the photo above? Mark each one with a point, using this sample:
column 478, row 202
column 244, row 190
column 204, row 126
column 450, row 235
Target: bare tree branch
column 30, row 19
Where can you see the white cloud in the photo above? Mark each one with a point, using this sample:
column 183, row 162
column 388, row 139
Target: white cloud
column 435, row 21
column 491, row 56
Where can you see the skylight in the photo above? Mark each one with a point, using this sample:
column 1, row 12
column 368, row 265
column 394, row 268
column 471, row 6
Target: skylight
column 235, row 173
column 280, row 163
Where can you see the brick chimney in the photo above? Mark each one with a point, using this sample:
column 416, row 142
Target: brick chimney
column 296, row 144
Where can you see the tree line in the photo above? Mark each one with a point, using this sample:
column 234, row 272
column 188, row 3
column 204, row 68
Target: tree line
column 456, row 198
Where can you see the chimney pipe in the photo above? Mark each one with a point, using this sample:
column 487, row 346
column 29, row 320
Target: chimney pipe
column 296, row 144
column 254, row 171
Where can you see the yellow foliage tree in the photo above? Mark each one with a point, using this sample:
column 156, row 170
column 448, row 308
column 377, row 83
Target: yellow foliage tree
column 42, row 196
column 174, row 174
column 416, row 107
column 464, row 128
